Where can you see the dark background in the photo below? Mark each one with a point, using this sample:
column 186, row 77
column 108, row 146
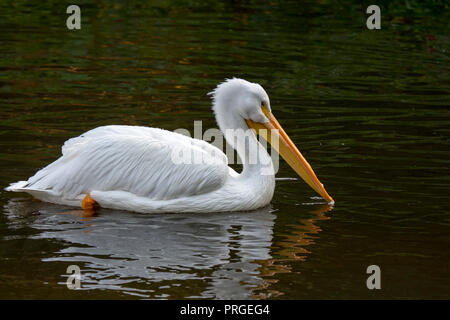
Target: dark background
column 369, row 109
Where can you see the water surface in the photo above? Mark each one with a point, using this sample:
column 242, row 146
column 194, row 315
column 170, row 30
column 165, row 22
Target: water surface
column 368, row 109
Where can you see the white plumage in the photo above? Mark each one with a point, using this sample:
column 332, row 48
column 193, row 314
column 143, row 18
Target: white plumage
column 133, row 168
column 132, row 159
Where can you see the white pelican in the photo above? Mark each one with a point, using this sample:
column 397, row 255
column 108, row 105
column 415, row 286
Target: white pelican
column 131, row 168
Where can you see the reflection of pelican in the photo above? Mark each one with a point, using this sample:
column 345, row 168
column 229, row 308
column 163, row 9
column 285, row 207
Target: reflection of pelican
column 293, row 247
column 133, row 168
column 216, row 255
column 211, row 254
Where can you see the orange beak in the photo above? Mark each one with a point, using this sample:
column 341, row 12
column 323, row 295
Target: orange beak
column 280, row 141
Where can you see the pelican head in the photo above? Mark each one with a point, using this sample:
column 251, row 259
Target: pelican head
column 239, row 104
column 237, row 100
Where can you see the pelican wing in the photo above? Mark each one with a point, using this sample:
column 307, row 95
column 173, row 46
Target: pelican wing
column 147, row 162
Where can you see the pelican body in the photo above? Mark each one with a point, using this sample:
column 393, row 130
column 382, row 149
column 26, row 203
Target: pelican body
column 131, row 167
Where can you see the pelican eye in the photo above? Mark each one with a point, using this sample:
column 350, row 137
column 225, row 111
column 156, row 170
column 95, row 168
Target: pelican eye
column 265, row 110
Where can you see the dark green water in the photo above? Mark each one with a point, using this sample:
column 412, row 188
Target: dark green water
column 368, row 109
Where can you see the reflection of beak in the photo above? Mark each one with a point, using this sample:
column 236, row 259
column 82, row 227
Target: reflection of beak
column 287, row 149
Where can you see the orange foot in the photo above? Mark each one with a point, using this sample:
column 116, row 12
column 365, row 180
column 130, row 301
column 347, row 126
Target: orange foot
column 88, row 203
